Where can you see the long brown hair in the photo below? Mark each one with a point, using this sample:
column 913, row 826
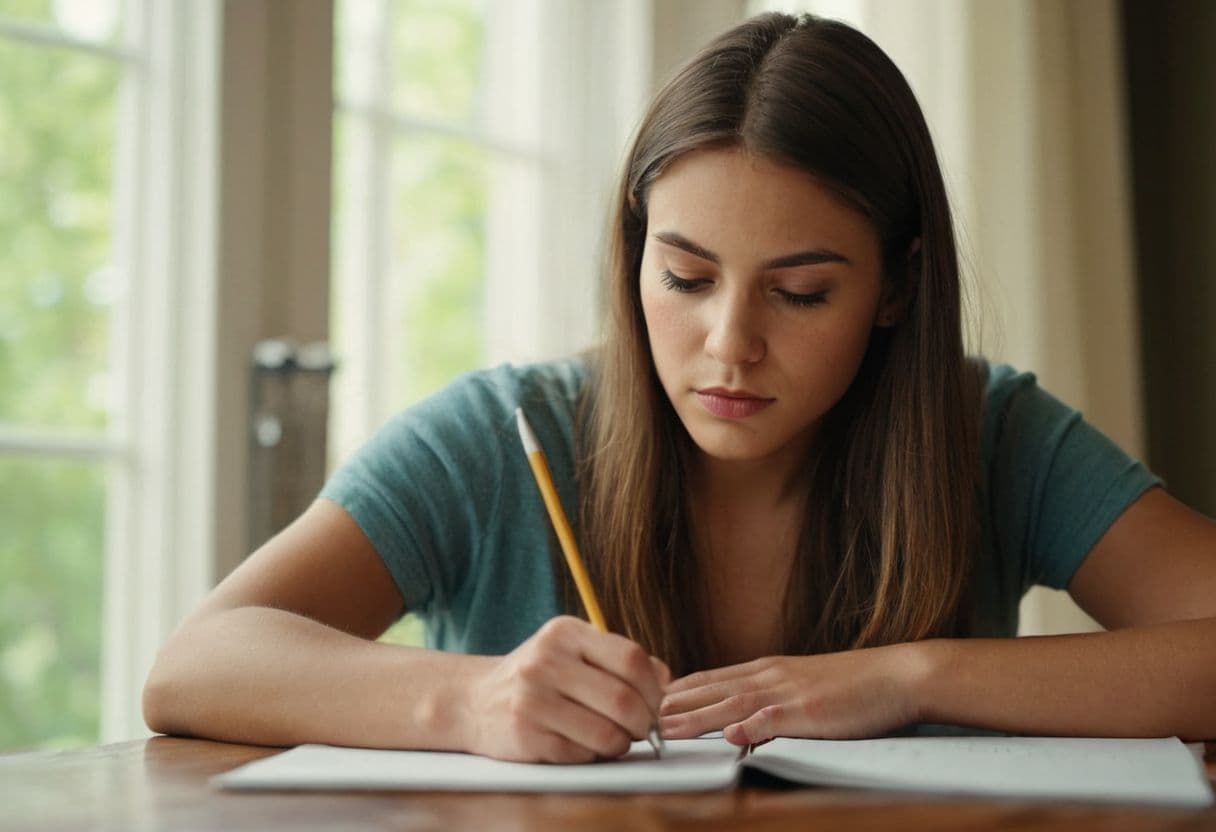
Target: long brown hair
column 891, row 525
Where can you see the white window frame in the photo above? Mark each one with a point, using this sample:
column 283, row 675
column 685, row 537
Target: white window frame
column 159, row 543
column 157, row 559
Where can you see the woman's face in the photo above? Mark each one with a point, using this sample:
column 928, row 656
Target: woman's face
column 760, row 290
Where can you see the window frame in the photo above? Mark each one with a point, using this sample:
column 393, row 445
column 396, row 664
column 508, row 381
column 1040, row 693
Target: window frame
column 158, row 444
column 160, row 530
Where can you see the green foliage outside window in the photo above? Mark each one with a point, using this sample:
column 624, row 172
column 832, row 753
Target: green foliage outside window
column 440, row 209
column 57, row 284
column 50, row 602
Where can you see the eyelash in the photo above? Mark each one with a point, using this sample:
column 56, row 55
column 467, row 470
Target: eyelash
column 679, row 284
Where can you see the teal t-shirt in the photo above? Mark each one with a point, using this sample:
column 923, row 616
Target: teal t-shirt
column 445, row 494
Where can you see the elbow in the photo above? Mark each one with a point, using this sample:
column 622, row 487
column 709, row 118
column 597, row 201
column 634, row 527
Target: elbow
column 157, row 700
column 165, row 696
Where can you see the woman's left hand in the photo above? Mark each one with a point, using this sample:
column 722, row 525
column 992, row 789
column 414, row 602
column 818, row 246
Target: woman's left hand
column 848, row 695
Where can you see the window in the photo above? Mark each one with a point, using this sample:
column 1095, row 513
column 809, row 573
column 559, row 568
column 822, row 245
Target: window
column 475, row 146
column 99, row 337
column 469, row 199
column 60, row 289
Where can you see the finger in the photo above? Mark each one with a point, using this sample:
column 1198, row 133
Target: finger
column 609, row 696
column 714, row 676
column 626, row 660
column 612, row 653
column 584, row 727
column 766, row 723
column 552, row 747
column 713, row 717
column 702, row 697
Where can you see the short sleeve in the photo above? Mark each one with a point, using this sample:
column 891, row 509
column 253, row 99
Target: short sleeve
column 1055, row 483
column 423, row 487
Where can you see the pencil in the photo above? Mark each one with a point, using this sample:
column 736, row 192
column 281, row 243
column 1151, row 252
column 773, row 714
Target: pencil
column 565, row 536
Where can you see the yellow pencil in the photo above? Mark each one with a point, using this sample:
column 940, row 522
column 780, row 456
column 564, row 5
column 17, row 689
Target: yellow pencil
column 544, row 481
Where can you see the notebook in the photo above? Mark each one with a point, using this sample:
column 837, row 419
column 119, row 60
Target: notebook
column 1124, row 770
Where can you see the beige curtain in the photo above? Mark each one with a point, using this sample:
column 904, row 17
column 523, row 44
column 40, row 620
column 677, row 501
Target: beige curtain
column 1049, row 217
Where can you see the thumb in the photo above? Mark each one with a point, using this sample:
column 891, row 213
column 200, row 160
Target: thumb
column 760, row 727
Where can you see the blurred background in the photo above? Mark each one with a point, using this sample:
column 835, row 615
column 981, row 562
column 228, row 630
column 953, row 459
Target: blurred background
column 402, row 190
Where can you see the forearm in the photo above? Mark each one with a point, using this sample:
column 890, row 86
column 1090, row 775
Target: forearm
column 269, row 677
column 1139, row 682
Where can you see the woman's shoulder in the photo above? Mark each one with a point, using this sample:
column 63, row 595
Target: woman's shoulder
column 506, row 386
column 459, row 418
column 496, row 392
column 1000, row 381
column 1054, row 482
column 1008, row 393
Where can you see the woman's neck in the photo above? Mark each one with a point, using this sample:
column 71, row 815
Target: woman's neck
column 773, row 482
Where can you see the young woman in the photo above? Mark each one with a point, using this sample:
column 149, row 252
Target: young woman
column 805, row 511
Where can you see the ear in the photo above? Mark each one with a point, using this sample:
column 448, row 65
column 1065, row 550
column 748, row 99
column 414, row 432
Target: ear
column 896, row 296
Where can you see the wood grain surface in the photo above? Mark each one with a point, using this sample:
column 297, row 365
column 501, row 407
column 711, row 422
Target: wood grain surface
column 162, row 783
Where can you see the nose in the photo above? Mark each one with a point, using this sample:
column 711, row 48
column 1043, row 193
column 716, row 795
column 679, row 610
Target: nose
column 733, row 333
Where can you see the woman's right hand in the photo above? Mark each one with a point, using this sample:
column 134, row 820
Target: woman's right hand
column 569, row 694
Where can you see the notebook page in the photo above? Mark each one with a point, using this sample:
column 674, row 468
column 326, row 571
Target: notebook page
column 1125, row 770
column 687, row 765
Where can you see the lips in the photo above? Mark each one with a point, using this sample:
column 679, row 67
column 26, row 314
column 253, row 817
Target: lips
column 732, row 404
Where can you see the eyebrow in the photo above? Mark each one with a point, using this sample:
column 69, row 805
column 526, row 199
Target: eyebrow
column 811, row 257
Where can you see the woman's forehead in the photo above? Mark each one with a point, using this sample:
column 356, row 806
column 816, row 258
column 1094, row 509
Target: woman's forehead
column 731, row 197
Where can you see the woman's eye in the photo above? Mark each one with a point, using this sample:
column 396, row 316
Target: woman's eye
column 680, row 284
column 798, row 299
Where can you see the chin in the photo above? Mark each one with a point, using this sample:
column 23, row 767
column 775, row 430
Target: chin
column 732, row 447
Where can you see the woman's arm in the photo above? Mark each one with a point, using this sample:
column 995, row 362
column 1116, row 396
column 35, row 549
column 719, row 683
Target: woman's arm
column 281, row 653
column 1151, row 578
column 1154, row 681
column 266, row 676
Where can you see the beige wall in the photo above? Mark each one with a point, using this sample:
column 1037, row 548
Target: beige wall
column 681, row 27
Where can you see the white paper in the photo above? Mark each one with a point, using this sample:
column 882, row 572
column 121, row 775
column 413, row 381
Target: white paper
column 687, row 765
column 1123, row 770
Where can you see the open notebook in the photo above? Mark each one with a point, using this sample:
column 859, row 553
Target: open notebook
column 1126, row 770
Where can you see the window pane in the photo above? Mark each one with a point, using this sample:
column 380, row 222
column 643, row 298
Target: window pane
column 437, row 59
column 50, row 602
column 95, row 20
column 57, row 278
column 439, row 207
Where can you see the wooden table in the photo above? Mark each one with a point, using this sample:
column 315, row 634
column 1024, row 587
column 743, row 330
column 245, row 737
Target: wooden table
column 161, row 783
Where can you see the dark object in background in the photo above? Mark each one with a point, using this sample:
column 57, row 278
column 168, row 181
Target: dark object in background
column 1171, row 78
column 289, row 414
